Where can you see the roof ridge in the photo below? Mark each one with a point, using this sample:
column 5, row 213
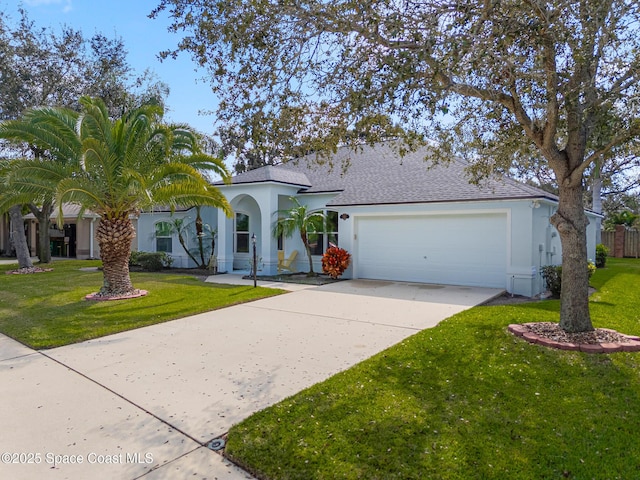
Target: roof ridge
column 377, row 174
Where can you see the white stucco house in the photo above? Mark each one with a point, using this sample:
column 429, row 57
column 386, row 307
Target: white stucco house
column 399, row 217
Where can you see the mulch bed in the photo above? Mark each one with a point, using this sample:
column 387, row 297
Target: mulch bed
column 95, row 296
column 301, row 278
column 600, row 340
column 28, row 270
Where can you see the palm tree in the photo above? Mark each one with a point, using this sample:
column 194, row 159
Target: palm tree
column 182, row 227
column 115, row 168
column 298, row 218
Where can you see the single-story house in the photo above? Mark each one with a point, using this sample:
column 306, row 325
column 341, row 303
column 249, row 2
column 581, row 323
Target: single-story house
column 76, row 238
column 400, row 218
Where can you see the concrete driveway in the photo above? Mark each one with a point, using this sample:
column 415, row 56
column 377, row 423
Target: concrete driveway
column 148, row 401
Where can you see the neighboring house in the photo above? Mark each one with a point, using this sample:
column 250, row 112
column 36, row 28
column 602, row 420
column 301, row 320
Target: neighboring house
column 76, row 238
column 399, row 217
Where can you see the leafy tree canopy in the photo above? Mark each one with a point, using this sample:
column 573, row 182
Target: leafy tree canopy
column 512, row 77
column 498, row 82
column 40, row 67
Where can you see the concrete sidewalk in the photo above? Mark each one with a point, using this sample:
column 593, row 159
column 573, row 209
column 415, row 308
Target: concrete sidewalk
column 11, row 261
column 144, row 402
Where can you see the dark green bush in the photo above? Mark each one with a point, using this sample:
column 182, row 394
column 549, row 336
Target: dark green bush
column 602, row 252
column 133, row 259
column 552, row 275
column 150, row 261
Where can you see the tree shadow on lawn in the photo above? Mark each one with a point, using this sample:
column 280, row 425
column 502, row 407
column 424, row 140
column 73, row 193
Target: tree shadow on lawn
column 470, row 402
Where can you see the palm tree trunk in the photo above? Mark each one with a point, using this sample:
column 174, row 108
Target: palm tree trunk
column 114, row 236
column 200, row 235
column 18, row 237
column 186, row 248
column 305, row 241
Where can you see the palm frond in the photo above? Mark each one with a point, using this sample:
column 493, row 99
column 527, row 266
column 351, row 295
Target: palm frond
column 49, row 129
column 35, row 177
column 81, row 191
column 113, row 167
column 94, row 121
column 188, row 194
column 206, row 163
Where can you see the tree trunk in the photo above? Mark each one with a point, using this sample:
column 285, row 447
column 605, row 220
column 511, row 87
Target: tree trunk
column 18, row 237
column 305, row 241
column 43, row 215
column 186, row 248
column 571, row 222
column 200, row 236
column 114, row 237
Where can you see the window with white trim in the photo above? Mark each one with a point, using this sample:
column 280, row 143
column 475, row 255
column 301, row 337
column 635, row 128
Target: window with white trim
column 242, row 233
column 164, row 237
column 321, row 240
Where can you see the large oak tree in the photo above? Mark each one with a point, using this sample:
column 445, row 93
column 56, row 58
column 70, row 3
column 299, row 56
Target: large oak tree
column 43, row 67
column 516, row 79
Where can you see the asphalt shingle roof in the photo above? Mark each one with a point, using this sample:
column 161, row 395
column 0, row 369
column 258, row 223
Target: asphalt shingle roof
column 68, row 211
column 272, row 173
column 378, row 175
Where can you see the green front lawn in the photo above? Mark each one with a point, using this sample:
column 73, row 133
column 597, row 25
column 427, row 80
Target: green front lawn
column 467, row 400
column 45, row 310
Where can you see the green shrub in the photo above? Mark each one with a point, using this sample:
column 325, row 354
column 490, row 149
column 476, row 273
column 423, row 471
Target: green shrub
column 133, row 259
column 150, row 261
column 602, row 252
column 552, row 275
column 626, row 218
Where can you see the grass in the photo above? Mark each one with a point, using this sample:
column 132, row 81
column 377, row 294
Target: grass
column 47, row 310
column 467, row 400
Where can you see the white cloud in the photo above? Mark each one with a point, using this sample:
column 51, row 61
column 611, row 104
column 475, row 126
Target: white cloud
column 66, row 4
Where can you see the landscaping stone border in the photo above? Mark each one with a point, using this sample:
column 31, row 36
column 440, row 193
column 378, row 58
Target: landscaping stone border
column 631, row 345
column 99, row 298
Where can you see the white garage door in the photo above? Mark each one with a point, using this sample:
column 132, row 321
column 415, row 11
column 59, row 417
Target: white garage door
column 446, row 249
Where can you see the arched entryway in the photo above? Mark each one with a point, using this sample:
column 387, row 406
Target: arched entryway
column 238, row 231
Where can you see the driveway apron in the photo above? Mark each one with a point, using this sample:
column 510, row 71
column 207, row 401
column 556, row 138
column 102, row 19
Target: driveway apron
column 147, row 402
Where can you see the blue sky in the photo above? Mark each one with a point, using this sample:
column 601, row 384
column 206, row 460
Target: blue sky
column 144, row 39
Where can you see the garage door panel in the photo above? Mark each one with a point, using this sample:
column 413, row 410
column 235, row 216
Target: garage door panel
column 460, row 249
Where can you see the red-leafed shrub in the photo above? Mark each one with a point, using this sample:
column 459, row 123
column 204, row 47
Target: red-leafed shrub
column 335, row 261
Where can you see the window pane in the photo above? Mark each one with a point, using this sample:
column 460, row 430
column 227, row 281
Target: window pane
column 332, row 221
column 163, row 229
column 333, row 238
column 242, row 242
column 164, row 245
column 242, row 222
column 316, row 243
